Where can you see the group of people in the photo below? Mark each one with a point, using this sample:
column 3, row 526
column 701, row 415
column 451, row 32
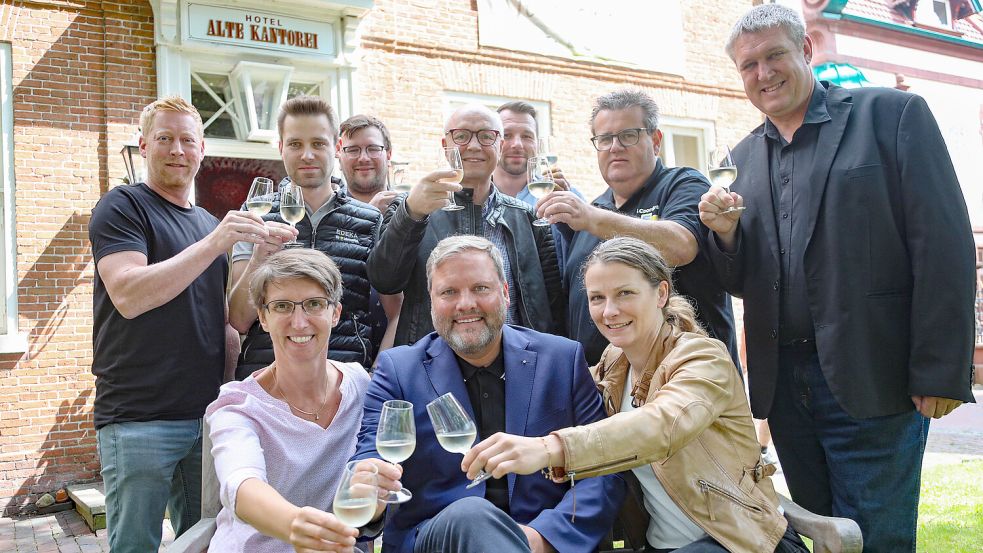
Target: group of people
column 598, row 351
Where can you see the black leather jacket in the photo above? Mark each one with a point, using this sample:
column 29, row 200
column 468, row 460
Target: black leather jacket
column 346, row 234
column 398, row 262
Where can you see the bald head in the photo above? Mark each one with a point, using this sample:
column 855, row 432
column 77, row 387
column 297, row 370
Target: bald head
column 471, row 111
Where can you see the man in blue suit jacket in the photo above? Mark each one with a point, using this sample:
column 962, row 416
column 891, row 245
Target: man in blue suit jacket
column 545, row 385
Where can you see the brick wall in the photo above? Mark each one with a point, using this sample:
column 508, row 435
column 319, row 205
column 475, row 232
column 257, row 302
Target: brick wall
column 81, row 72
column 412, row 53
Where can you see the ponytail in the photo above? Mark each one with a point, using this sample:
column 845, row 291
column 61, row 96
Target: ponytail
column 679, row 313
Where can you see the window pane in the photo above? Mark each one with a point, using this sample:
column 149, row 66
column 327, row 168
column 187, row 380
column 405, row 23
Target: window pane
column 300, row 89
column 223, row 126
column 686, row 150
column 941, row 11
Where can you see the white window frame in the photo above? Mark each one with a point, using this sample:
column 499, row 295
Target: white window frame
column 454, row 100
column 700, row 129
column 11, row 341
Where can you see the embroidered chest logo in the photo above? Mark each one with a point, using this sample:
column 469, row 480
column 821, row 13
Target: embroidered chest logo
column 343, row 235
column 648, row 213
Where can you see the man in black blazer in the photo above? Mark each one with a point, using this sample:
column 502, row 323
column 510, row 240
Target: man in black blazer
column 855, row 260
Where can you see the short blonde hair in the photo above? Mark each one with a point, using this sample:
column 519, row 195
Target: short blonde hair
column 170, row 103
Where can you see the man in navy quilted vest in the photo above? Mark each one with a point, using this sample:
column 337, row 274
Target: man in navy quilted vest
column 342, row 227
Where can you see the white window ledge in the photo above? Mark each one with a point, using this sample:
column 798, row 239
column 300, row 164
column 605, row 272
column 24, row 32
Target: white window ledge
column 13, row 343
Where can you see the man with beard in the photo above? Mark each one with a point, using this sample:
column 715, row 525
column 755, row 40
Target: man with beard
column 520, row 141
column 486, row 365
column 364, row 150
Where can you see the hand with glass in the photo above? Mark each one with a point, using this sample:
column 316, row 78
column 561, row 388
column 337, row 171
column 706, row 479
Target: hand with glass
column 723, row 172
column 395, row 440
column 435, row 191
column 454, row 428
column 720, row 209
column 540, row 182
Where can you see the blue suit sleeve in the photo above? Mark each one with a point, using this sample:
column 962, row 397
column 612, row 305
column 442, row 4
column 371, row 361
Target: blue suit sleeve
column 597, row 500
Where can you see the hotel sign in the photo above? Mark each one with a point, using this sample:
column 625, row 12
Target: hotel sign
column 259, row 29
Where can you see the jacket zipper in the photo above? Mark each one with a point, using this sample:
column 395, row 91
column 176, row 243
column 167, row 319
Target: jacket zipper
column 365, row 349
column 707, row 487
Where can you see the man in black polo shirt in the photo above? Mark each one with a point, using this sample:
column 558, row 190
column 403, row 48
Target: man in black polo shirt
column 644, row 199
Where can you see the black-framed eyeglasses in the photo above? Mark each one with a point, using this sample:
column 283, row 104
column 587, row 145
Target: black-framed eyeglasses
column 462, row 137
column 627, row 137
column 372, row 150
column 311, row 306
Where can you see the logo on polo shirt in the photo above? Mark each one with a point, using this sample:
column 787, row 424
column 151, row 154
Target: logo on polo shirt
column 648, row 213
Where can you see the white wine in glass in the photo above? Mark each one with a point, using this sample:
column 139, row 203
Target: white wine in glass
column 260, row 198
column 454, row 428
column 723, row 172
column 355, row 501
column 450, row 160
column 395, row 439
column 540, row 180
column 292, row 208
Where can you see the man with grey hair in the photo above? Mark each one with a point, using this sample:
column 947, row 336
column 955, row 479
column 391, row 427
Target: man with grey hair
column 646, row 200
column 486, row 365
column 415, row 223
column 854, row 223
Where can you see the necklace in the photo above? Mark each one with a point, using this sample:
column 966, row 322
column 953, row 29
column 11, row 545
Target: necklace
column 315, row 414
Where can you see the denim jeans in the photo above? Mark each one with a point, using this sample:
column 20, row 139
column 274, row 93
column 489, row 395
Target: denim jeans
column 790, row 543
column 145, row 467
column 868, row 470
column 471, row 524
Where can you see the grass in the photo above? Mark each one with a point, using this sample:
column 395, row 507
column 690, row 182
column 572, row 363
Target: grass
column 950, row 515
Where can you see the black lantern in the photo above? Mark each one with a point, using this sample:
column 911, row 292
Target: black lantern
column 134, row 162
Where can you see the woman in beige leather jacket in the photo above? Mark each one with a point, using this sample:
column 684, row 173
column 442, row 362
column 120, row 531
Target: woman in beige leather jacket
column 678, row 418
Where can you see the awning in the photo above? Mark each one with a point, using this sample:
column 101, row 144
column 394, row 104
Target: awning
column 841, row 74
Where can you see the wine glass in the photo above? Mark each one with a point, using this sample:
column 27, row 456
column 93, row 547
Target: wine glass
column 455, row 430
column 260, row 197
column 547, row 149
column 292, row 208
column 395, row 440
column 397, row 177
column 450, row 160
column 355, row 501
column 723, row 172
column 540, row 180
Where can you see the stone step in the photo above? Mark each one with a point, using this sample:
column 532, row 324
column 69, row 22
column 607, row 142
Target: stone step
column 90, row 502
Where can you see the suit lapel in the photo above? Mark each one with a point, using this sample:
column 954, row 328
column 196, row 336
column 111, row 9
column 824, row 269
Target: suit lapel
column 838, row 106
column 754, row 183
column 520, row 373
column 445, row 374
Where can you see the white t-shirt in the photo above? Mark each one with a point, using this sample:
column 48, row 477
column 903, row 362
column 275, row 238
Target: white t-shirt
column 669, row 527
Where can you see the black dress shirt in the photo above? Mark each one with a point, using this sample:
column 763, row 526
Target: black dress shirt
column 486, row 390
column 790, row 164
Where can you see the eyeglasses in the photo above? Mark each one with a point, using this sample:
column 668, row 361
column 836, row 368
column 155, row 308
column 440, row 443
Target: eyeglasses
column 627, row 137
column 462, row 137
column 311, row 306
column 372, row 150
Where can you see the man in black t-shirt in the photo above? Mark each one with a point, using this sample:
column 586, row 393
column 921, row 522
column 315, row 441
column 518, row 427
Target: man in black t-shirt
column 159, row 329
column 645, row 200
